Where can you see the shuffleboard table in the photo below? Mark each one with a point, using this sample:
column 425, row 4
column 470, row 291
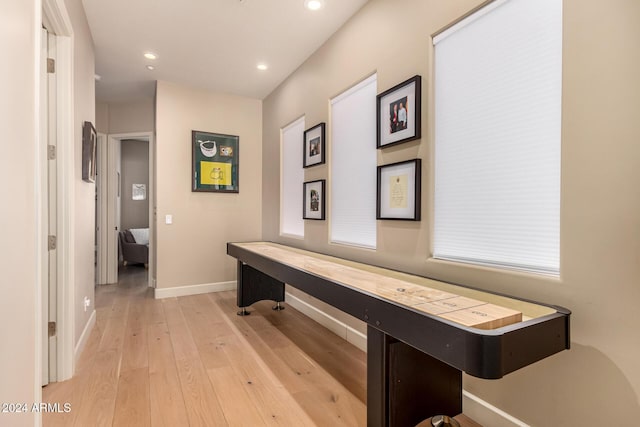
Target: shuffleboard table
column 421, row 333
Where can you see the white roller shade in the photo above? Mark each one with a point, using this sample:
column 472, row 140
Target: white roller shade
column 353, row 165
column 291, row 179
column 497, row 129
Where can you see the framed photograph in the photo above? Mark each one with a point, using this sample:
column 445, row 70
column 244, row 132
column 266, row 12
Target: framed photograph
column 399, row 113
column 89, row 140
column 138, row 192
column 215, row 162
column 313, row 195
column 399, row 191
column 313, row 146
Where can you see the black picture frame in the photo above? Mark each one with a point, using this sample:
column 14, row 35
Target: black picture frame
column 215, row 162
column 391, row 129
column 398, row 190
column 89, row 147
column 314, row 146
column 313, row 196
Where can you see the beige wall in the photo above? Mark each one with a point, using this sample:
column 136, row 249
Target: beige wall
column 598, row 380
column 102, row 117
column 125, row 117
column 192, row 250
column 84, row 110
column 18, row 252
column 135, row 170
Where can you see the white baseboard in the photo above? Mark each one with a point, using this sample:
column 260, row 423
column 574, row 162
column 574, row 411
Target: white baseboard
column 77, row 351
column 486, row 414
column 339, row 328
column 205, row 288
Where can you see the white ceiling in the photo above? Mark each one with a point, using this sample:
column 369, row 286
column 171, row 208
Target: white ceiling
column 210, row 44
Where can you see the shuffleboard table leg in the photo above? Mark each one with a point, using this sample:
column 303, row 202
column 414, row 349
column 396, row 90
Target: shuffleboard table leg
column 253, row 286
column 243, row 312
column 406, row 386
column 278, row 306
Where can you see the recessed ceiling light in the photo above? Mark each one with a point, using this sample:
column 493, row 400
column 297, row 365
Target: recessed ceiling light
column 313, row 4
column 150, row 55
column 151, row 67
column 262, row 67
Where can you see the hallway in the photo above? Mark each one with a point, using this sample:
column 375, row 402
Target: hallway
column 191, row 361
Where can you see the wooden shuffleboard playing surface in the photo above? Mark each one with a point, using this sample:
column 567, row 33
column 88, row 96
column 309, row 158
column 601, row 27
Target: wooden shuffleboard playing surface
column 418, row 293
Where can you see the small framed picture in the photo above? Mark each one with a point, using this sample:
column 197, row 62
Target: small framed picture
column 215, row 162
column 313, row 146
column 89, row 140
column 399, row 113
column 313, row 195
column 399, row 191
column 138, row 192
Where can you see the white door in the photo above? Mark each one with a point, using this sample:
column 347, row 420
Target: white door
column 49, row 205
column 113, row 207
column 102, row 261
column 118, row 207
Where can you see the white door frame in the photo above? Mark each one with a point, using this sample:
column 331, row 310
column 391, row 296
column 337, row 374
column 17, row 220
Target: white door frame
column 43, row 230
column 54, row 13
column 49, row 184
column 101, row 210
column 107, row 215
column 112, row 207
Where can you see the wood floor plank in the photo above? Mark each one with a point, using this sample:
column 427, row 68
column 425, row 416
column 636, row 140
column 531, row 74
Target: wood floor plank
column 349, row 372
column 299, row 372
column 160, row 348
column 132, row 401
column 329, row 409
column 87, row 357
column 285, row 373
column 135, row 352
column 166, row 400
column 154, row 311
column 99, row 398
column 200, row 398
column 102, row 317
column 136, row 319
column 204, row 319
column 345, row 363
column 271, row 398
column 236, row 404
column 113, row 335
column 212, row 353
column 70, row 392
column 184, row 347
column 172, row 311
column 303, row 376
column 120, row 306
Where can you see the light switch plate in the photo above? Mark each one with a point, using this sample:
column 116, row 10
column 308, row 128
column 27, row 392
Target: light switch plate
column 168, row 219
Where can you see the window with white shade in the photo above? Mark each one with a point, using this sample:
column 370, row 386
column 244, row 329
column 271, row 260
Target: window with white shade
column 291, row 179
column 498, row 82
column 353, row 165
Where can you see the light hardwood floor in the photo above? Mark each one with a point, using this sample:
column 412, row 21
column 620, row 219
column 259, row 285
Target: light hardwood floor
column 190, row 361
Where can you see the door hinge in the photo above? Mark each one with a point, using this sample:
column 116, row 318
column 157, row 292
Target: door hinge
column 53, row 241
column 51, row 65
column 52, row 329
column 51, row 152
